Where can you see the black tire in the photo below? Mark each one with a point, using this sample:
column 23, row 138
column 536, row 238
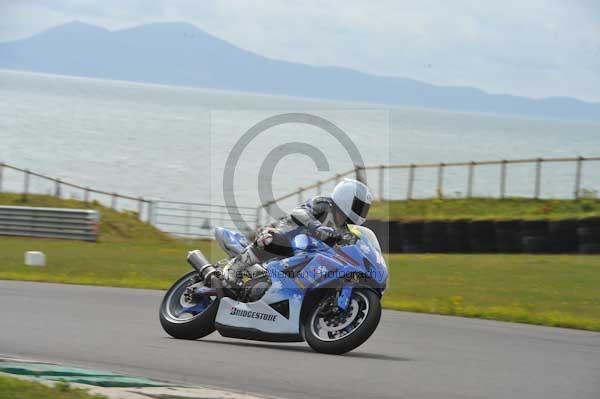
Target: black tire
column 435, row 237
column 589, row 235
column 197, row 327
column 458, row 236
column 589, row 248
column 534, row 227
column 354, row 339
column 508, row 236
column 508, row 242
column 413, row 249
column 536, row 244
column 482, row 236
column 411, row 236
column 394, row 238
column 411, row 229
column 512, row 225
column 564, row 234
column 589, row 222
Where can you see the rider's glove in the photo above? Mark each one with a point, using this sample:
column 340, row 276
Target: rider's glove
column 324, row 232
column 264, row 238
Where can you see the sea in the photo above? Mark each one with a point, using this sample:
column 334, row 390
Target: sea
column 206, row 146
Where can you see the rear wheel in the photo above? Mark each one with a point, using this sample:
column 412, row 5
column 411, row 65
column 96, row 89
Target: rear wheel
column 187, row 316
column 328, row 329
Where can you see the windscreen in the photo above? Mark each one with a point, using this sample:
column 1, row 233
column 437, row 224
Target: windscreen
column 369, row 236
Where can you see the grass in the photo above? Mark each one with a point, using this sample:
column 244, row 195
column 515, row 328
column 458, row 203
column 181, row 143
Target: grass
column 117, row 264
column 485, row 209
column 553, row 290
column 129, row 253
column 13, row 388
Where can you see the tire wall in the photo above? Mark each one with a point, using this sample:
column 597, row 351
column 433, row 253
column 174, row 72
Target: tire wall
column 505, row 236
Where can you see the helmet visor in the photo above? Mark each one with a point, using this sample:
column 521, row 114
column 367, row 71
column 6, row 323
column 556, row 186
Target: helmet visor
column 361, row 208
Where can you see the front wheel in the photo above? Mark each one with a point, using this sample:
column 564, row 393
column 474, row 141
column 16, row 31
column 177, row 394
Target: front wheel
column 328, row 329
column 186, row 316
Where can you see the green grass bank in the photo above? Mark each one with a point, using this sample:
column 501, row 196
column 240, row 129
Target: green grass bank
column 485, row 209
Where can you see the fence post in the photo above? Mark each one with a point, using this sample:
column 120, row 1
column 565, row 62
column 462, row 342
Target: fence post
column 440, row 180
column 470, row 179
column 151, row 212
column 381, row 170
column 538, row 177
column 265, row 214
column 1, row 173
column 578, row 177
column 113, row 204
column 86, row 195
column 188, row 215
column 411, row 178
column 258, row 208
column 361, row 174
column 26, row 184
column 319, row 184
column 57, row 188
column 268, row 212
column 140, row 207
column 503, row 178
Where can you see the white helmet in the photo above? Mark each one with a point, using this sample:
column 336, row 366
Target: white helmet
column 353, row 198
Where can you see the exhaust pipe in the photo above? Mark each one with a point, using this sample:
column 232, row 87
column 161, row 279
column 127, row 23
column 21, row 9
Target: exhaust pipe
column 208, row 273
column 199, row 262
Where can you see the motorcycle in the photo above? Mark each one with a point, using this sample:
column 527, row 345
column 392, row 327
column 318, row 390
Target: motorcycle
column 327, row 294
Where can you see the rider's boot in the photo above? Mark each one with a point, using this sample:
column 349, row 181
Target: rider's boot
column 231, row 281
column 233, row 273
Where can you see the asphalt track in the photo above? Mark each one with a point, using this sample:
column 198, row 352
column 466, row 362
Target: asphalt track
column 410, row 355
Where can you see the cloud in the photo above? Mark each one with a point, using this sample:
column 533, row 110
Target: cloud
column 535, row 48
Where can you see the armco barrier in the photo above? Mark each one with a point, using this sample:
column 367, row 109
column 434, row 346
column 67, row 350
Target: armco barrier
column 73, row 224
column 508, row 236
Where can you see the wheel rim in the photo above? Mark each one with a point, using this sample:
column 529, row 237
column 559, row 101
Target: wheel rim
column 181, row 307
column 329, row 323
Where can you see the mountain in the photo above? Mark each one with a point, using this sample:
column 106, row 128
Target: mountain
column 181, row 54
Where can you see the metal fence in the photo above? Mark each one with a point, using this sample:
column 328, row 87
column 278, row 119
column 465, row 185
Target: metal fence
column 502, row 176
column 181, row 219
column 57, row 187
column 189, row 219
column 388, row 187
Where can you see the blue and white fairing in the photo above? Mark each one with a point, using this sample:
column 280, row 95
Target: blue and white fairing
column 232, row 242
column 314, row 266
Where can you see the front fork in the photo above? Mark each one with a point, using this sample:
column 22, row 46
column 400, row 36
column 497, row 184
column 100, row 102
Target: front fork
column 344, row 295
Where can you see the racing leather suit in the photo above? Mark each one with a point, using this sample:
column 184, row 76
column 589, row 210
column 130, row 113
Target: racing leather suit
column 317, row 215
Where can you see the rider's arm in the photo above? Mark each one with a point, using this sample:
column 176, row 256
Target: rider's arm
column 309, row 213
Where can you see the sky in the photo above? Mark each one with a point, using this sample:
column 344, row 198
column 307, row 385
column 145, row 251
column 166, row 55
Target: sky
column 533, row 48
